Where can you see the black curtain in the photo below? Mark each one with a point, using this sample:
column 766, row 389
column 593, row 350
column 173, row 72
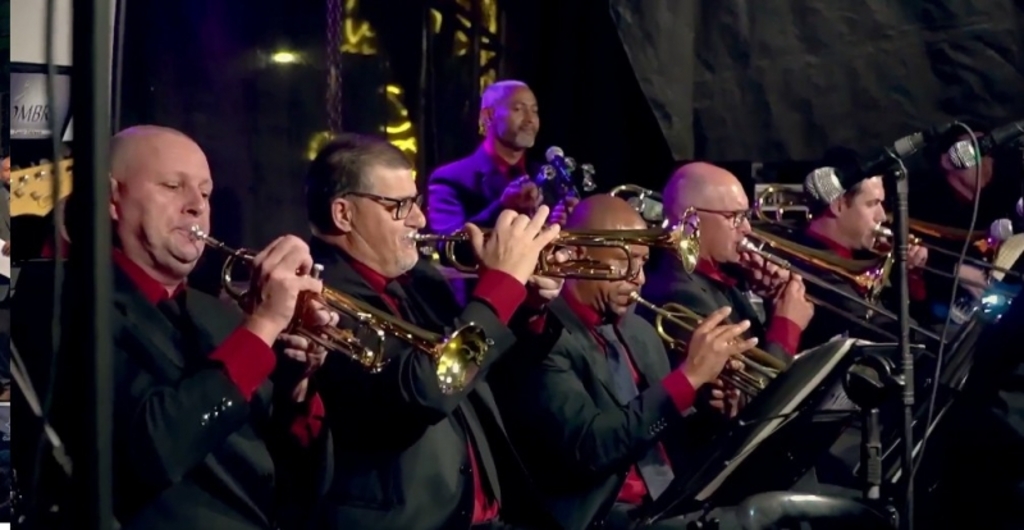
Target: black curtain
column 590, row 101
column 783, row 80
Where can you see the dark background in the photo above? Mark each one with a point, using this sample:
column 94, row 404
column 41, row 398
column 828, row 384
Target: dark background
column 633, row 87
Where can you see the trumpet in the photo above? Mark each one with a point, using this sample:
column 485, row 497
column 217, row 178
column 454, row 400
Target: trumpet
column 681, row 238
column 648, row 203
column 871, row 276
column 458, row 355
column 759, row 366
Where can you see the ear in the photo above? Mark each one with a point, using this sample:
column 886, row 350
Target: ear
column 486, row 115
column 341, row 215
column 838, row 206
column 115, row 197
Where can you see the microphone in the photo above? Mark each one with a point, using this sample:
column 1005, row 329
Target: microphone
column 1020, row 208
column 962, row 154
column 1000, row 230
column 827, row 184
column 561, row 163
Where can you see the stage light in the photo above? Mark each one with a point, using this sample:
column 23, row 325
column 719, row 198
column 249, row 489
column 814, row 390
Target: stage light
column 284, row 57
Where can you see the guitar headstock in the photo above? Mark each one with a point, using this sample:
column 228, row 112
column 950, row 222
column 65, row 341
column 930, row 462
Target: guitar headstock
column 32, row 188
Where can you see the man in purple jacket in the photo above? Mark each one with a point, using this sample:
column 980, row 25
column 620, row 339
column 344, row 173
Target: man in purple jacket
column 477, row 188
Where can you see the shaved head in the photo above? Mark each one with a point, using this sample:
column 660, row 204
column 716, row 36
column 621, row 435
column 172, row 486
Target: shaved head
column 604, row 212
column 134, row 145
column 702, row 185
column 160, row 188
column 719, row 199
column 609, row 298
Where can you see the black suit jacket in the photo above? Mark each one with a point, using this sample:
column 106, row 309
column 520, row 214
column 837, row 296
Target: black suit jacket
column 668, row 281
column 400, row 449
column 188, row 448
column 465, row 191
column 577, row 440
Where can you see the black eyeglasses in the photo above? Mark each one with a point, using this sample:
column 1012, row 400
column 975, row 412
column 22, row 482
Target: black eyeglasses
column 400, row 208
column 735, row 217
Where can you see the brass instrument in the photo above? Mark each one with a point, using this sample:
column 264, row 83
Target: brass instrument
column 868, row 276
column 781, row 201
column 988, row 245
column 458, row 355
column 642, row 200
column 759, row 366
column 869, row 273
column 776, row 201
column 680, row 238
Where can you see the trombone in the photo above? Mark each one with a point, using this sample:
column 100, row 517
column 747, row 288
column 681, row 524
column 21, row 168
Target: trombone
column 872, row 277
column 680, row 238
column 759, row 367
column 458, row 355
column 988, row 244
column 642, row 200
column 782, row 200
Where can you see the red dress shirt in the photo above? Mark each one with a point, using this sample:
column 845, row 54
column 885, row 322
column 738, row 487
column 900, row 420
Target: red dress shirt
column 504, row 294
column 247, row 360
column 503, row 166
column 676, row 385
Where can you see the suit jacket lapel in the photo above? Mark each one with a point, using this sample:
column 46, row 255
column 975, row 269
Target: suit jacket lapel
column 146, row 322
column 596, row 357
column 492, row 181
column 649, row 367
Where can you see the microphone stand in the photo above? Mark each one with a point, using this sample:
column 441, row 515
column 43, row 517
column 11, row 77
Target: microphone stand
column 899, row 173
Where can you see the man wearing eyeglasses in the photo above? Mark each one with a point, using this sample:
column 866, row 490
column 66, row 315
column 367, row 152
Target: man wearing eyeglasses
column 407, row 455
column 724, row 275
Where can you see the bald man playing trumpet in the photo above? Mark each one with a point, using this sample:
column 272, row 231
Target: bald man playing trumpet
column 602, row 422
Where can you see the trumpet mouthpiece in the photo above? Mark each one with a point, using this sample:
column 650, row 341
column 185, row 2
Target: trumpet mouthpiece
column 197, row 233
column 883, row 231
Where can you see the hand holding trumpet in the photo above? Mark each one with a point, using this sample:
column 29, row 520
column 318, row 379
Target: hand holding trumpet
column 515, row 244
column 280, row 275
column 712, row 345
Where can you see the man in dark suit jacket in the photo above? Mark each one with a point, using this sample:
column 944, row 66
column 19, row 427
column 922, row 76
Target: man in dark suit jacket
column 416, row 455
column 723, row 275
column 192, row 395
column 597, row 420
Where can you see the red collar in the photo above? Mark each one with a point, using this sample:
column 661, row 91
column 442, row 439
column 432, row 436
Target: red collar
column 712, row 270
column 503, row 166
column 374, row 279
column 151, row 289
column 831, row 244
column 588, row 315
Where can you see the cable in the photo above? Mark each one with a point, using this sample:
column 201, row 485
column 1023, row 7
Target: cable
column 58, row 273
column 952, row 300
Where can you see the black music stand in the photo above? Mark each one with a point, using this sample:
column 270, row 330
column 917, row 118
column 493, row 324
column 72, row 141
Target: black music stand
column 718, row 476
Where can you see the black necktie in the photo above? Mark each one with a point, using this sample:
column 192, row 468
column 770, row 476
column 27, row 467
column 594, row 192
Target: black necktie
column 654, row 467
